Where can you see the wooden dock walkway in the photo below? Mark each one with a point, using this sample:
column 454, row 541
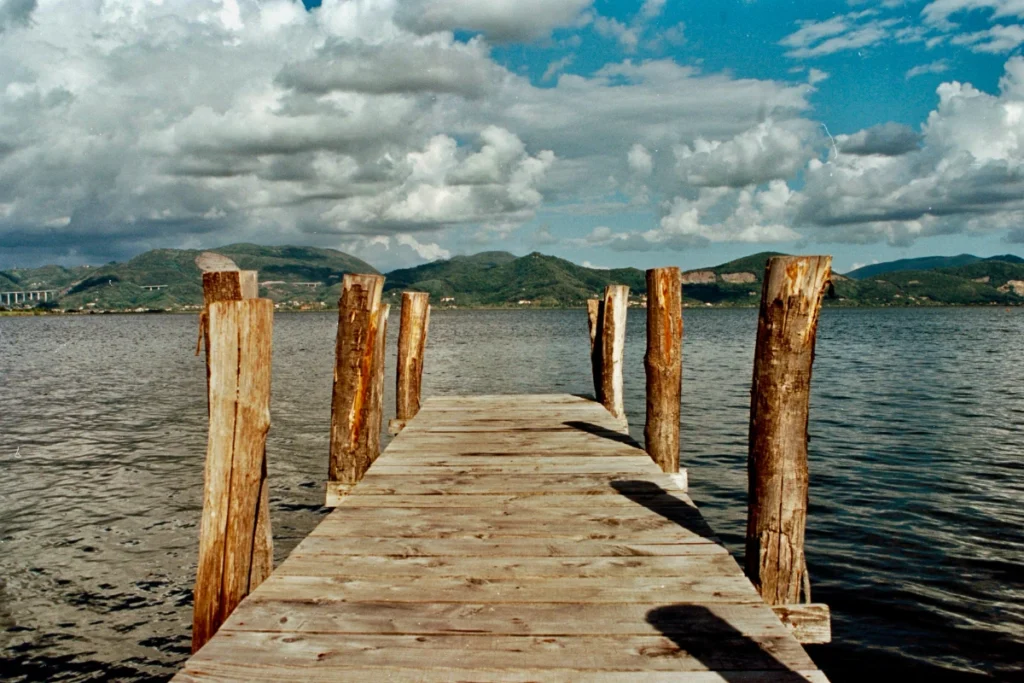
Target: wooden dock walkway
column 508, row 538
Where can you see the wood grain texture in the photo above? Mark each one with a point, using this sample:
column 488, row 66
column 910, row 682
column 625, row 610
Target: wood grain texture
column 613, row 345
column 663, row 364
column 412, row 340
column 227, row 283
column 355, row 377
column 231, row 543
column 779, row 406
column 810, row 624
column 595, row 322
column 485, row 544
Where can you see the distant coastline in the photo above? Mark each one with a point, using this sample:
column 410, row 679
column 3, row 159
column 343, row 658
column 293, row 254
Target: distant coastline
column 306, row 278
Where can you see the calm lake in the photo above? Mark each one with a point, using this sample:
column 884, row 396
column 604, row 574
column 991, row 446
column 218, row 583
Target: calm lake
column 915, row 531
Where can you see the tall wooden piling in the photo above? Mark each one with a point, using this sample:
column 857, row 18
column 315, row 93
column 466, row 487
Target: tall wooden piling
column 613, row 343
column 377, row 389
column 412, row 340
column 230, row 540
column 355, row 407
column 663, row 364
column 594, row 323
column 232, row 284
column 779, row 406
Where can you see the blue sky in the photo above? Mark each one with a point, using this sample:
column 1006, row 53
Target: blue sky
column 610, row 133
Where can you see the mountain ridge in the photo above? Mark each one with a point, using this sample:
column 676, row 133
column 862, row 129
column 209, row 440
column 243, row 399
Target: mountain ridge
column 309, row 278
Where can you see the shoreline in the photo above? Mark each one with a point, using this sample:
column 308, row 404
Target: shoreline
column 36, row 313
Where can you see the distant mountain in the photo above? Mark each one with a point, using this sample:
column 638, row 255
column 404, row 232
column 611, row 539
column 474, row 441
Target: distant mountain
column 500, row 278
column 925, row 263
column 303, row 277
column 169, row 279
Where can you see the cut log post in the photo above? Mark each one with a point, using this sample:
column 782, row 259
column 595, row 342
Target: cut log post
column 236, row 285
column 412, row 340
column 613, row 344
column 354, row 408
column 230, row 539
column 377, row 390
column 594, row 324
column 664, row 366
column 780, row 395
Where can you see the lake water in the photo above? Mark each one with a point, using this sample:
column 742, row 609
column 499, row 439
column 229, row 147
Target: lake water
column 915, row 531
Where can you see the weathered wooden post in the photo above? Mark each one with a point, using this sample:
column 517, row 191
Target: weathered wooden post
column 613, row 343
column 412, row 340
column 232, row 542
column 777, row 462
column 355, row 406
column 377, row 390
column 594, row 324
column 223, row 281
column 664, row 365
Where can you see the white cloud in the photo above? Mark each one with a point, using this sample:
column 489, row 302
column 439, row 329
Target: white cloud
column 556, row 67
column 715, row 215
column 640, row 160
column 652, row 9
column 996, row 39
column 628, row 37
column 500, row 20
column 851, row 31
column 886, row 139
column 938, row 12
column 966, row 175
column 815, row 76
column 769, row 151
column 937, row 67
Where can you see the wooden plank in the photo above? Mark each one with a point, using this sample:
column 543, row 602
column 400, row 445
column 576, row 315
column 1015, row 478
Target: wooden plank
column 609, row 499
column 490, row 568
column 535, row 465
column 732, row 588
column 534, row 619
column 810, row 624
column 507, row 546
column 242, row 672
column 580, row 653
column 537, row 484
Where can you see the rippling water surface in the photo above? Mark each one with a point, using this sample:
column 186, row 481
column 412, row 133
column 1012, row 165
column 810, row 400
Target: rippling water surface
column 916, row 527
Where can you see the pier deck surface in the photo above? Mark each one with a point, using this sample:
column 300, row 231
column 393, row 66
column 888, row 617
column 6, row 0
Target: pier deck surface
column 508, row 538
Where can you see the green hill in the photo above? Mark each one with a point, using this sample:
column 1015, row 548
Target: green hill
column 500, row 279
column 306, row 277
column 925, row 263
column 169, row 279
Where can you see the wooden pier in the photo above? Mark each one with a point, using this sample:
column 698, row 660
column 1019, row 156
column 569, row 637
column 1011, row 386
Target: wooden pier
column 508, row 538
column 505, row 537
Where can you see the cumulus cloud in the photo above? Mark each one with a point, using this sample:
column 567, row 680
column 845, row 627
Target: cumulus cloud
column 966, row 175
column 399, row 66
column 640, row 160
column 769, row 151
column 887, row 139
column 714, row 215
column 500, row 20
